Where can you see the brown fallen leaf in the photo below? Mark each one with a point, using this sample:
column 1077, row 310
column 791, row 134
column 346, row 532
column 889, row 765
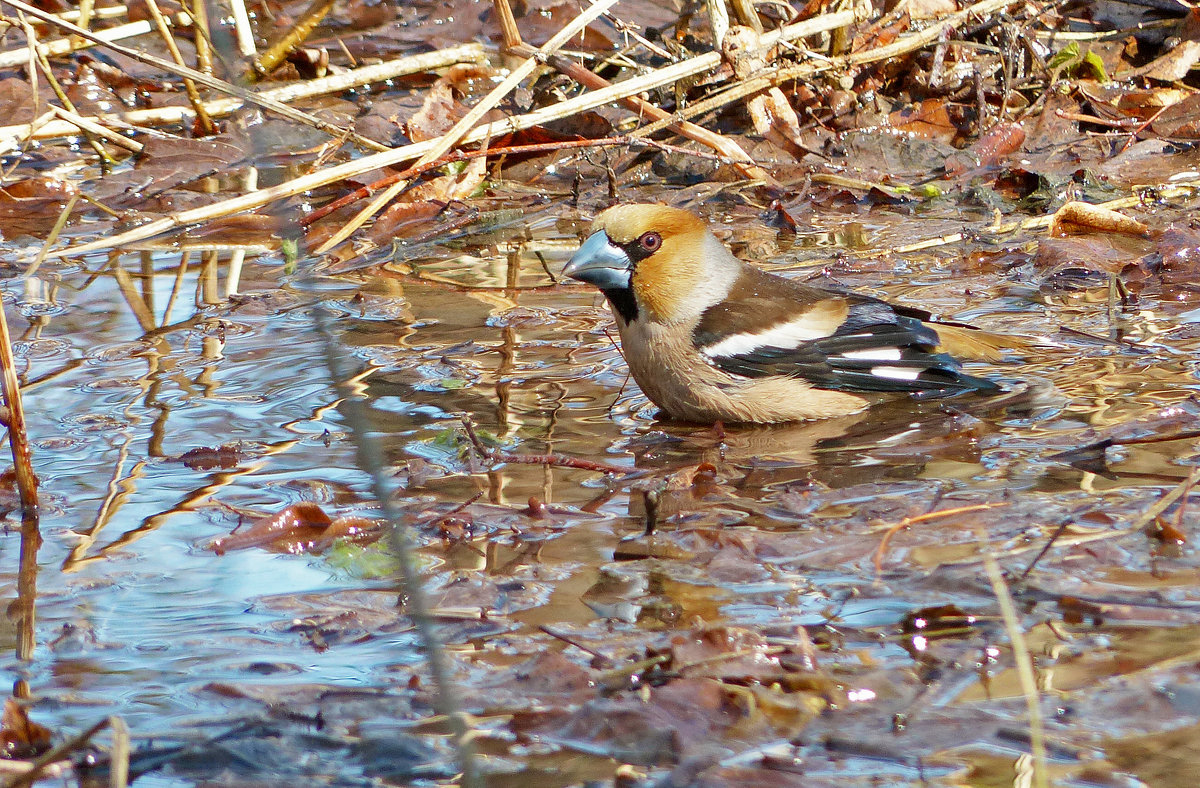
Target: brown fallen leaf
column 1147, row 104
column 727, row 653
column 300, row 528
column 929, row 119
column 1179, row 121
column 1179, row 59
column 1077, row 217
column 22, row 737
column 999, row 141
column 442, row 108
column 207, row 458
column 772, row 115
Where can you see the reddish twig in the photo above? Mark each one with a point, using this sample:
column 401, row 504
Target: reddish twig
column 728, row 148
column 453, row 157
column 892, row 530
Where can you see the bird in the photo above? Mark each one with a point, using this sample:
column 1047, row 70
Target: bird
column 709, row 338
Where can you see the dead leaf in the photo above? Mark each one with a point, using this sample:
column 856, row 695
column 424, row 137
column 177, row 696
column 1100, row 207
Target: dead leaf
column 442, row 107
column 1180, row 121
column 1082, row 217
column 22, row 737
column 929, row 119
column 300, row 528
column 1178, row 61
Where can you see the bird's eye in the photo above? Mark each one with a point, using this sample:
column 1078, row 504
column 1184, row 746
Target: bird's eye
column 651, row 242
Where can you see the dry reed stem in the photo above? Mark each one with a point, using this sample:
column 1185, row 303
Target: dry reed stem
column 718, row 18
column 86, row 8
column 64, row 46
column 590, row 100
column 476, row 113
column 108, row 12
column 118, row 754
column 242, row 29
column 189, row 86
column 746, row 15
column 57, row 771
column 296, row 35
column 413, row 64
column 204, row 79
column 55, row 755
column 92, row 127
column 18, row 438
column 508, row 25
column 203, row 38
column 1024, row 665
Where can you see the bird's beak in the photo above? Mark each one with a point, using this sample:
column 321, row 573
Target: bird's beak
column 600, row 262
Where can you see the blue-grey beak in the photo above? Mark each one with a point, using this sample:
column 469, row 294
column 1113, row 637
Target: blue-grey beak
column 600, row 262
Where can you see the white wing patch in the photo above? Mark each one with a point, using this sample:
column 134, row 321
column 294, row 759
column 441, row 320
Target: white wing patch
column 896, row 373
column 873, row 354
column 785, row 335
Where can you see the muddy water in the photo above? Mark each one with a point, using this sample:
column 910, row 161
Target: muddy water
column 784, row 535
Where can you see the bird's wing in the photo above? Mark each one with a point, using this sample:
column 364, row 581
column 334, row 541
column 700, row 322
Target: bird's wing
column 833, row 340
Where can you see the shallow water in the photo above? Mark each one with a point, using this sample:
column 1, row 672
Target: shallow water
column 136, row 616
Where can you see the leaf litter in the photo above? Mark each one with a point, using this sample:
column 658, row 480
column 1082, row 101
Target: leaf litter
column 622, row 599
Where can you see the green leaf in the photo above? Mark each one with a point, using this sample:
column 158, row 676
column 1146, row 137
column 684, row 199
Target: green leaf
column 1066, row 57
column 1093, row 61
column 360, row 561
column 290, row 249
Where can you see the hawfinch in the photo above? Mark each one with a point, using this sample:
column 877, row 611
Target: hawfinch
column 709, row 338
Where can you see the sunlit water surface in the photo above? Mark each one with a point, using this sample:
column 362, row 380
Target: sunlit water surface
column 137, row 617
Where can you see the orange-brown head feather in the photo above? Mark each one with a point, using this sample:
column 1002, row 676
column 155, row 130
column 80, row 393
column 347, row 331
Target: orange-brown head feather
column 672, row 283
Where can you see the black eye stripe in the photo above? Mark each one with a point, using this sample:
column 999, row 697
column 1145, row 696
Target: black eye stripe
column 643, row 246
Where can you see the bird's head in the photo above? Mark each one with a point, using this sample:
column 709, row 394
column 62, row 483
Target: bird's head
column 656, row 260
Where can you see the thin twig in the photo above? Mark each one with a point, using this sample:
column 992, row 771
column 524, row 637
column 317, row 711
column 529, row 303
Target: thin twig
column 892, row 530
column 55, row 755
column 297, row 34
column 204, row 79
column 18, row 437
column 467, row 122
column 189, row 86
column 334, row 83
